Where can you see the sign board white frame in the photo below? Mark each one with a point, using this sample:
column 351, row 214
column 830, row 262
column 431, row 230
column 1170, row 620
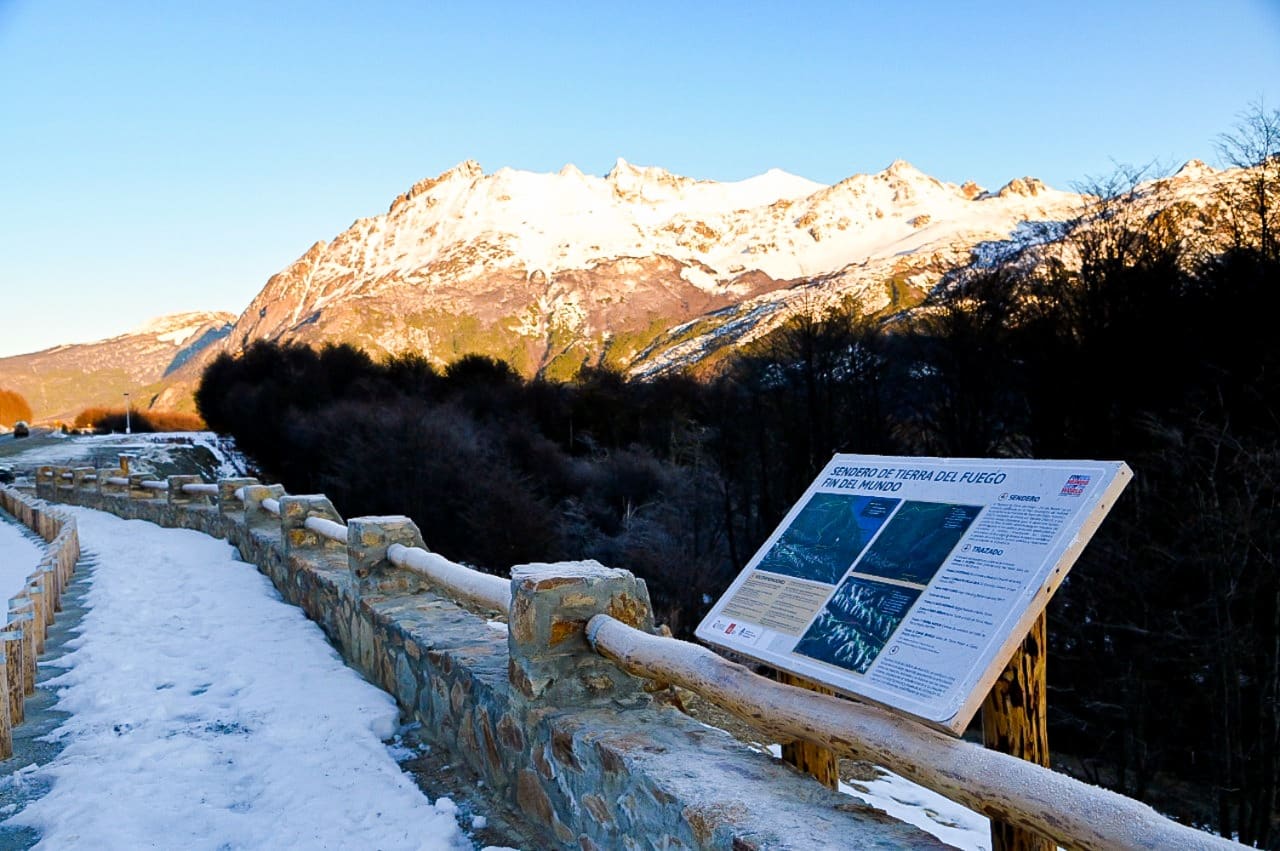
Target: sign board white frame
column 910, row 582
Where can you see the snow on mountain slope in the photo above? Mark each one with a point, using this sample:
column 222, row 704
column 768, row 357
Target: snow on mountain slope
column 551, row 271
column 465, row 223
column 177, row 328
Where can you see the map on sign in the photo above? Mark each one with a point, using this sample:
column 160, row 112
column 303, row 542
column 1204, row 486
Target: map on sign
column 911, row 581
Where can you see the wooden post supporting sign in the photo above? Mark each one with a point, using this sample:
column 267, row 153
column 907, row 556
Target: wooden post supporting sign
column 819, row 762
column 1014, row 721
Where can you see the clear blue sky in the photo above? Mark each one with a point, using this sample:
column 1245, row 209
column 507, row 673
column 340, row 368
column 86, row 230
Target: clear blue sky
column 158, row 157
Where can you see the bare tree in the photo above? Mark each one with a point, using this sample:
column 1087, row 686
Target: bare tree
column 1254, row 144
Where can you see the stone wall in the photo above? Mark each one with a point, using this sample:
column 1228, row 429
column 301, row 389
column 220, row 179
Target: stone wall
column 31, row 610
column 583, row 750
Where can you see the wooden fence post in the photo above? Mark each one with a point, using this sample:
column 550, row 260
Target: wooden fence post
column 15, row 677
column 1014, row 721
column 818, row 762
column 6, row 722
column 22, row 617
column 35, row 593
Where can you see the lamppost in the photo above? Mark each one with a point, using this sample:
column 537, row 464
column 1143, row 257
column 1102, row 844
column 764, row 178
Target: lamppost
column 128, row 426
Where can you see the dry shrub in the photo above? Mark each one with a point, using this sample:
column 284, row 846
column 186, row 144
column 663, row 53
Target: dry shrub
column 113, row 419
column 13, row 408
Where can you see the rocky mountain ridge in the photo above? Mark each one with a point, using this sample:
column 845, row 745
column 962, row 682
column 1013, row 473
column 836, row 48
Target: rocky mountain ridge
column 553, row 271
column 642, row 270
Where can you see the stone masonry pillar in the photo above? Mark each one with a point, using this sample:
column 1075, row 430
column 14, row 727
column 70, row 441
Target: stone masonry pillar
column 177, row 496
column 136, row 490
column 254, row 513
column 78, row 475
column 367, row 541
column 227, row 501
column 44, row 482
column 294, row 511
column 106, row 487
column 550, row 606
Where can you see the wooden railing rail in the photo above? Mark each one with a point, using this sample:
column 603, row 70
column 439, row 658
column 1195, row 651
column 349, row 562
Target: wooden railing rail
column 330, row 529
column 483, row 589
column 1071, row 813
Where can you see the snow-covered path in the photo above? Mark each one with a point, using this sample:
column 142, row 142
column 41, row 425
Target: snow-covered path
column 207, row 713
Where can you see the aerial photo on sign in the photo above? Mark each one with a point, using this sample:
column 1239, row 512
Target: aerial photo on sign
column 856, row 623
column 827, row 535
column 914, row 600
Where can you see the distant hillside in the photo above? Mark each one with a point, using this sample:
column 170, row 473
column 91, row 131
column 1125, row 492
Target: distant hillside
column 61, row 381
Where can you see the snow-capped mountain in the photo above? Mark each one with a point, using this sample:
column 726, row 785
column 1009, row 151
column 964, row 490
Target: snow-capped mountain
column 60, row 382
column 551, row 271
column 642, row 270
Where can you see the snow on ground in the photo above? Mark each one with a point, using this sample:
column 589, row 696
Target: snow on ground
column 152, row 449
column 19, row 556
column 231, row 462
column 207, row 713
column 954, row 824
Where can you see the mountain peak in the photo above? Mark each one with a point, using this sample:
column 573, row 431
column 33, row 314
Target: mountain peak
column 1027, row 187
column 650, row 183
column 623, row 170
column 1195, row 169
column 620, row 167
column 468, row 170
column 902, row 168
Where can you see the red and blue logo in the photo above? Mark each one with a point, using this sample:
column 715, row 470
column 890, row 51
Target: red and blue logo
column 1075, row 486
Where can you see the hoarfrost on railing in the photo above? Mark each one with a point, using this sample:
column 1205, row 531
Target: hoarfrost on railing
column 490, row 591
column 327, row 528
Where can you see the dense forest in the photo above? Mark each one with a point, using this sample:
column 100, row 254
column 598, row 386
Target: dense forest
column 1143, row 335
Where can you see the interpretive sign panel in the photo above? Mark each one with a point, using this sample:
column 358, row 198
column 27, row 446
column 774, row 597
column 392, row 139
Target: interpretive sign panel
column 911, row 581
